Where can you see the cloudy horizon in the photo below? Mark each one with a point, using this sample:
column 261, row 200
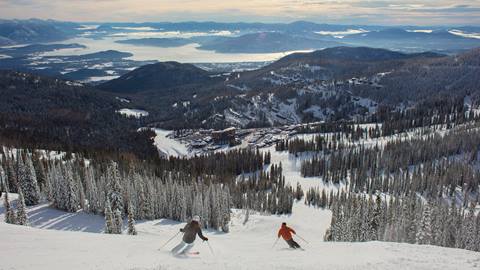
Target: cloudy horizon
column 381, row 12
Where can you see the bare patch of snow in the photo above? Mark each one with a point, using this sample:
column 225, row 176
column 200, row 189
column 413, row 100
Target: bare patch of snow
column 124, row 100
column 101, row 78
column 426, row 31
column 133, row 113
column 465, row 35
column 342, row 34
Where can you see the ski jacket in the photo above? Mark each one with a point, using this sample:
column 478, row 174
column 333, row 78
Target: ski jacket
column 190, row 232
column 286, row 232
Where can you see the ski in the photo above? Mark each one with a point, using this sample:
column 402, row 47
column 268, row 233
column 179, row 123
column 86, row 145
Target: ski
column 193, row 253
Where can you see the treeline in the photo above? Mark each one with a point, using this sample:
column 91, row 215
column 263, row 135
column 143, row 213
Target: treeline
column 409, row 219
column 226, row 164
column 140, row 190
column 443, row 110
column 264, row 192
column 435, row 165
column 44, row 113
column 318, row 143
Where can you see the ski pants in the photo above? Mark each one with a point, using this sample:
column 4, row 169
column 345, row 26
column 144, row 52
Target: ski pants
column 182, row 248
column 292, row 243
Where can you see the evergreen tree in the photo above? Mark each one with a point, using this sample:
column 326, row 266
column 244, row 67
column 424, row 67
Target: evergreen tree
column 131, row 221
column 72, row 200
column 424, row 233
column 10, row 216
column 110, row 225
column 470, row 229
column 22, row 218
column 28, row 180
column 115, row 191
column 118, row 222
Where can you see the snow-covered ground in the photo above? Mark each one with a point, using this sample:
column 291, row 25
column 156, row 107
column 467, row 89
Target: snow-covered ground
column 247, row 246
column 133, row 113
column 167, row 145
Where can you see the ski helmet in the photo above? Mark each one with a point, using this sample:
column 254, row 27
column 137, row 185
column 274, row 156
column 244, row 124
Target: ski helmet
column 196, row 218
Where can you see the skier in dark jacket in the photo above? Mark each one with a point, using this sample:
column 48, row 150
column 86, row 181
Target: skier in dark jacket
column 286, row 233
column 190, row 232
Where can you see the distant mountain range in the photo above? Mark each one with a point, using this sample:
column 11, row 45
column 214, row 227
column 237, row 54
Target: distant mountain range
column 34, row 31
column 414, row 40
column 248, row 37
column 334, row 83
column 266, row 42
column 330, row 84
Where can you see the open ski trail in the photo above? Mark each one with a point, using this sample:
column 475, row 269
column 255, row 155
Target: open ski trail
column 60, row 240
column 50, row 249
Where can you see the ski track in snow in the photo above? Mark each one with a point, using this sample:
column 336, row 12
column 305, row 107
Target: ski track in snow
column 74, row 241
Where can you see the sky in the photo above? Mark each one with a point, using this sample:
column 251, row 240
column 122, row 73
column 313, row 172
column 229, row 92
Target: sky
column 384, row 12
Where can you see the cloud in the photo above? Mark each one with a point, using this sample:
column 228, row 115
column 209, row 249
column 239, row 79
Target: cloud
column 328, row 11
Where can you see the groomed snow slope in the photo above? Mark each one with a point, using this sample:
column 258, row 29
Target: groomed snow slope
column 247, row 246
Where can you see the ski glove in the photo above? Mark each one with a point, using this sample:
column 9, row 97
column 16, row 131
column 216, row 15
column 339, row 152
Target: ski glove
column 206, row 239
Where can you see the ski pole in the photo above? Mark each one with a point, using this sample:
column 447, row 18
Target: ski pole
column 275, row 242
column 169, row 240
column 302, row 238
column 210, row 247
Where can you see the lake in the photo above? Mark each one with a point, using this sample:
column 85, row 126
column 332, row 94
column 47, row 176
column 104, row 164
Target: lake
column 184, row 54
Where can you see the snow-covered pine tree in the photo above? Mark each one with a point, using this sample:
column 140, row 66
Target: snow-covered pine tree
column 365, row 228
column 225, row 204
column 91, row 193
column 206, row 209
column 11, row 174
column 28, row 180
column 182, row 204
column 59, row 192
column 410, row 217
column 298, row 192
column 118, row 222
column 376, row 218
column 22, row 217
column 131, row 221
column 470, row 229
column 144, row 208
column 197, row 207
column 450, row 229
column 3, row 180
column 437, row 221
column 477, row 241
column 115, row 190
column 424, row 233
column 72, row 201
column 110, row 225
column 39, row 170
column 10, row 216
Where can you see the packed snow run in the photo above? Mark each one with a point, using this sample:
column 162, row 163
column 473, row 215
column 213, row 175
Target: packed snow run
column 64, row 244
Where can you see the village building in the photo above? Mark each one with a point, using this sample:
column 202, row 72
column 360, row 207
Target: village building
column 226, row 136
